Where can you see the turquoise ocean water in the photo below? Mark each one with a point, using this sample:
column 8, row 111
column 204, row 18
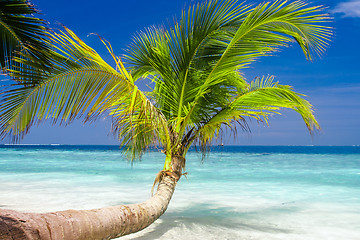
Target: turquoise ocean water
column 252, row 192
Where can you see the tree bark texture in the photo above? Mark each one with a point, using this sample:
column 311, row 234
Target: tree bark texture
column 103, row 223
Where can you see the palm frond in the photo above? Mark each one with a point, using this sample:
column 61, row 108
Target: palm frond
column 169, row 55
column 263, row 97
column 20, row 32
column 80, row 84
column 265, row 28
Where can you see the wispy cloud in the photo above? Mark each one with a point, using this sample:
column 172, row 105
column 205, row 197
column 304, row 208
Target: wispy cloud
column 349, row 9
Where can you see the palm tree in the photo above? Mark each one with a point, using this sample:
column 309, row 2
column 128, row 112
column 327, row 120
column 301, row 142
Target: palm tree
column 20, row 32
column 197, row 90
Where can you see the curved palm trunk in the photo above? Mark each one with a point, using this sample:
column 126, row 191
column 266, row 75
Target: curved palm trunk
column 103, row 223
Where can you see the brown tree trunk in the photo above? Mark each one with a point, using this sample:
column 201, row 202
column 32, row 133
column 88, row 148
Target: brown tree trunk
column 103, row 223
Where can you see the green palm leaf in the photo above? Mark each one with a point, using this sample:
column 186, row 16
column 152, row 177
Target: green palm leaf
column 260, row 99
column 80, row 84
column 19, row 31
column 266, row 28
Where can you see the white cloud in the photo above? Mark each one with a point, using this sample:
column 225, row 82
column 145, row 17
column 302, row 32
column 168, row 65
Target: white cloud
column 349, row 9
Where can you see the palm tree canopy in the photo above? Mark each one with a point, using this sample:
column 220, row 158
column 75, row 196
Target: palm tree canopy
column 195, row 69
column 20, row 31
column 196, row 64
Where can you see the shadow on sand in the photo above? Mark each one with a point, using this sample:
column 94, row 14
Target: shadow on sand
column 207, row 216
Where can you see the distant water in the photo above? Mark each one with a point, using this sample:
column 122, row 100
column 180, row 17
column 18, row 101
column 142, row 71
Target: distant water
column 237, row 192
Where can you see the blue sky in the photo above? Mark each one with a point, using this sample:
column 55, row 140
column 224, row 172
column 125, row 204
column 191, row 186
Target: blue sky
column 331, row 83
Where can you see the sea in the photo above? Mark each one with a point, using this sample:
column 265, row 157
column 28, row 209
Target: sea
column 234, row 192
